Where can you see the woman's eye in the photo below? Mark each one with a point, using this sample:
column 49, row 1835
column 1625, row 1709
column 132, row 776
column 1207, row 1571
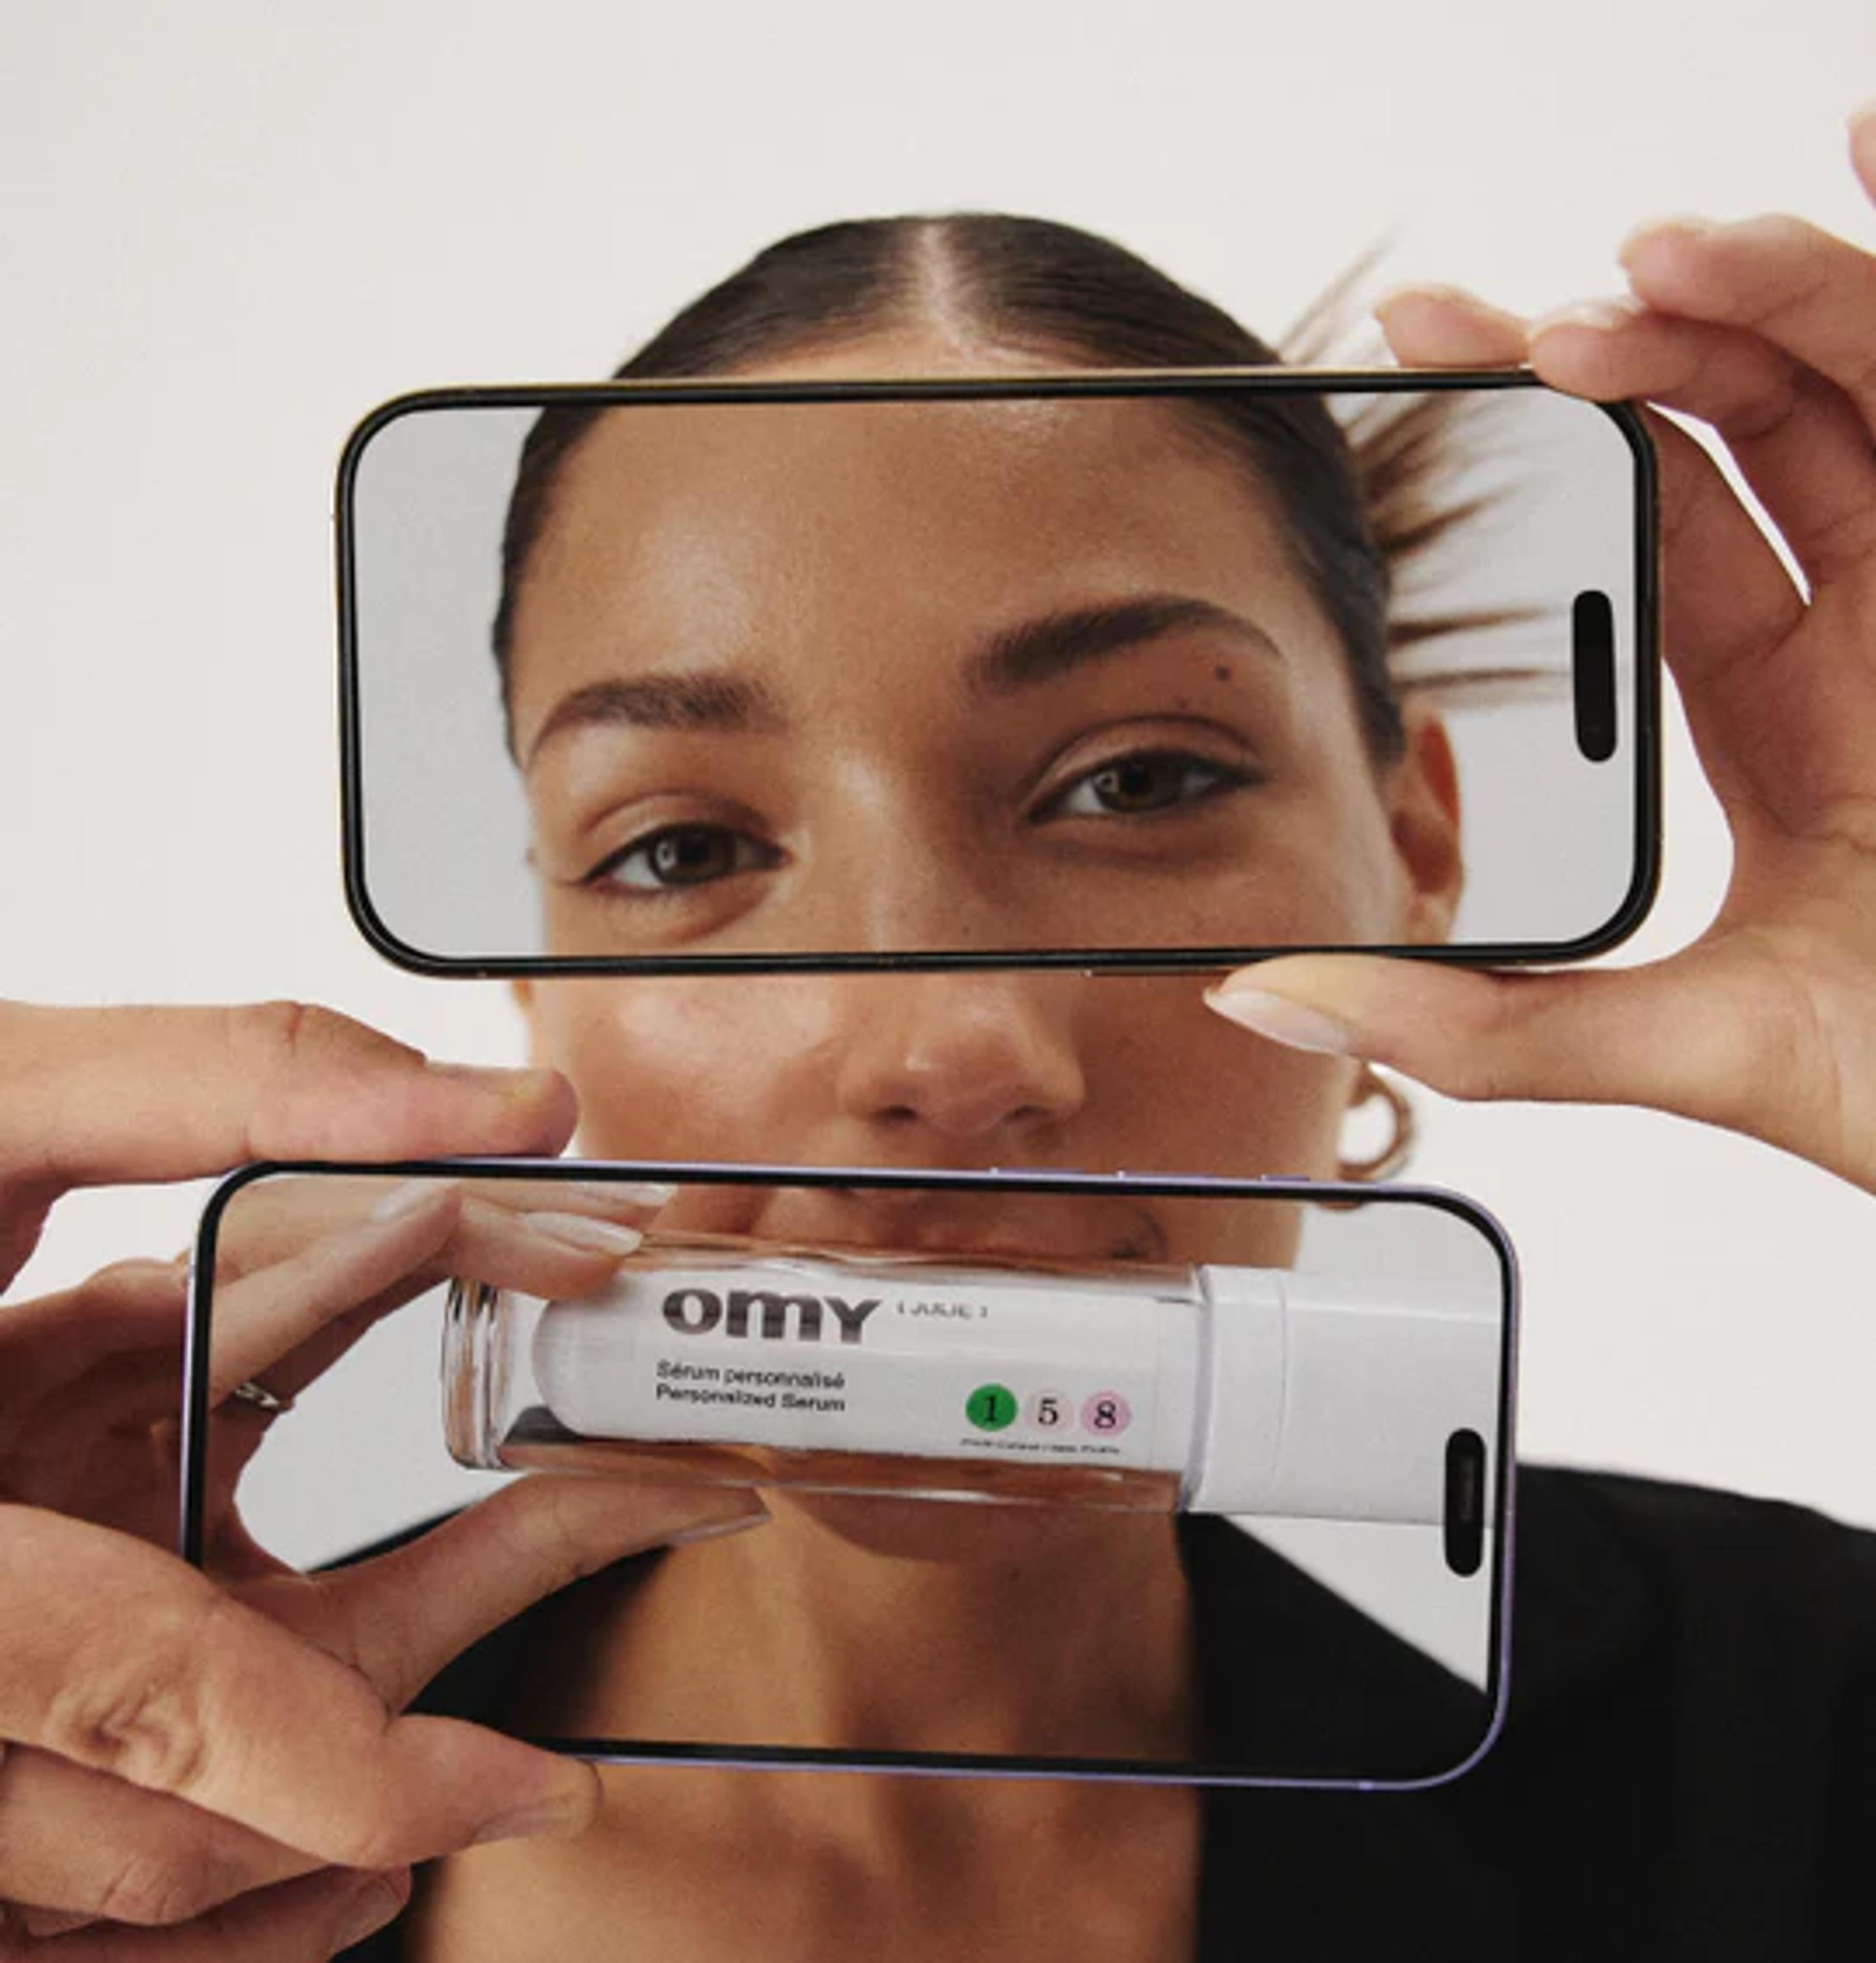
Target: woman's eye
column 682, row 855
column 1144, row 782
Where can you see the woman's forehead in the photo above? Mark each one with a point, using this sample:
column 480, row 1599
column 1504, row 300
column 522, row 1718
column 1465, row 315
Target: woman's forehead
column 683, row 531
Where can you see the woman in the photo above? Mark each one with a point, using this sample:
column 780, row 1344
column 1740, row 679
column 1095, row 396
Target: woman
column 1186, row 727
column 1699, row 1834
column 865, row 839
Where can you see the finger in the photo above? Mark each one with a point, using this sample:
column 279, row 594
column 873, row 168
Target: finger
column 80, row 1841
column 274, row 1218
column 1600, row 1037
column 1445, row 327
column 135, row 1665
column 600, row 1198
column 1726, row 595
column 353, row 1275
column 303, row 1921
column 1800, row 442
column 270, row 1315
column 399, row 1618
column 1731, row 610
column 159, row 1093
column 1811, row 293
column 1798, row 439
column 1607, row 352
column 50, row 1346
column 555, row 1249
column 1863, row 148
column 1707, row 622
column 86, row 1377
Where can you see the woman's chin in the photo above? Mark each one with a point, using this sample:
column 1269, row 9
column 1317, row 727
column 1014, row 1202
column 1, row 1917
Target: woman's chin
column 948, row 1528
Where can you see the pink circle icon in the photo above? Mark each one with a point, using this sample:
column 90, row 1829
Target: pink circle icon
column 1106, row 1413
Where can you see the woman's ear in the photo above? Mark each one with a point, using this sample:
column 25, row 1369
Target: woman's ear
column 1423, row 821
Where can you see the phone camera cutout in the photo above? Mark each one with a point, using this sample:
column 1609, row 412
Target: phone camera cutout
column 1463, row 1518
column 1593, row 674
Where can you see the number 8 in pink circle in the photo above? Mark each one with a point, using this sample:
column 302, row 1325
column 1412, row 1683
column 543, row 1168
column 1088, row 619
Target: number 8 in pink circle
column 1106, row 1413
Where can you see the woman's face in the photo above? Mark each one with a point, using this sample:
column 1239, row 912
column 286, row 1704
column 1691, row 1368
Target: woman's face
column 976, row 675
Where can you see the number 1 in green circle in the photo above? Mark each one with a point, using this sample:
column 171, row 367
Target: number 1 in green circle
column 990, row 1407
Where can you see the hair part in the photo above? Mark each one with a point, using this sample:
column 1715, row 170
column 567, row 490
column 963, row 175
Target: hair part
column 1355, row 504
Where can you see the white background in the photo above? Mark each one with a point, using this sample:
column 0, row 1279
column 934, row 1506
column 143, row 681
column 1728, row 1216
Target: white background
column 226, row 229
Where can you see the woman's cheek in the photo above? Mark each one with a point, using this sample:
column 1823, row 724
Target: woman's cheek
column 691, row 1068
column 1177, row 1089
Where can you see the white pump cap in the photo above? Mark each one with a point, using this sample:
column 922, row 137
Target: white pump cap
column 1325, row 1400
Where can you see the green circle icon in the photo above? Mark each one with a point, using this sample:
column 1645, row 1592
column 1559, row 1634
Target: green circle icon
column 990, row 1407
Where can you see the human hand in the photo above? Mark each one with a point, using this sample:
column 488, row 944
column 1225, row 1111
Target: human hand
column 89, row 1377
column 98, row 1096
column 230, row 1759
column 1766, row 331
column 305, row 1267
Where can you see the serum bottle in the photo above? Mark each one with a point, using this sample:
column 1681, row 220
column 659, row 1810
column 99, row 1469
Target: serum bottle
column 1216, row 1389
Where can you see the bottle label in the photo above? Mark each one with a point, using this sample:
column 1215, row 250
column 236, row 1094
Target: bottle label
column 923, row 1360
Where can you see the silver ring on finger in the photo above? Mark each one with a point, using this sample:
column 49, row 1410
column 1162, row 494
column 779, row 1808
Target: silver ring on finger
column 260, row 1397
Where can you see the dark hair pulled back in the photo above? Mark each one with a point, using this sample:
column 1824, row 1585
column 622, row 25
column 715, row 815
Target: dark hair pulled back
column 1055, row 291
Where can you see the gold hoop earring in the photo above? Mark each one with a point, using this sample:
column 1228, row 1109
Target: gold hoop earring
column 1370, row 1086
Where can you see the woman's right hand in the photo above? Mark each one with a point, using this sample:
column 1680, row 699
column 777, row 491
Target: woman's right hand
column 1765, row 331
column 212, row 1771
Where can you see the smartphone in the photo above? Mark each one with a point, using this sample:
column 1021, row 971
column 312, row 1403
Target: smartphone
column 1188, row 1480
column 1135, row 670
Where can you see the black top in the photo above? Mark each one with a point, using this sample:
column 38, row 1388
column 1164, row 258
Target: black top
column 1685, row 1771
column 1688, row 1769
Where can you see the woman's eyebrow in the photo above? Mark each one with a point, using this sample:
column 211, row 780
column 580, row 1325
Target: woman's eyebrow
column 1037, row 651
column 710, row 699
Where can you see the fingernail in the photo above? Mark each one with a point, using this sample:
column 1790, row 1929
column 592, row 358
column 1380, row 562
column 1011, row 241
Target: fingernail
column 567, row 1814
column 716, row 1530
column 406, row 1198
column 381, row 1900
column 1282, row 1020
column 1423, row 290
column 630, row 1191
column 1602, row 315
column 575, row 1230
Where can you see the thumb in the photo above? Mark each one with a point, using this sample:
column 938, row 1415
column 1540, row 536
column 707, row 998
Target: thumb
column 399, row 1618
column 1613, row 1037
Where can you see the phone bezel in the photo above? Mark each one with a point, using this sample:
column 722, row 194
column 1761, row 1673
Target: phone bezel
column 1642, row 711
column 196, row 1417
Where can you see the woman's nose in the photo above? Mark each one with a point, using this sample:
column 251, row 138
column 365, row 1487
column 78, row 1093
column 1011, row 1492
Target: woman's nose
column 969, row 1057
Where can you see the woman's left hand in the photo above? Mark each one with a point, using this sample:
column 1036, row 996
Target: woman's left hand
column 1766, row 331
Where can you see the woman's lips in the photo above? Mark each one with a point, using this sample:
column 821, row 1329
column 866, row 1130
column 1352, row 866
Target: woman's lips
column 1056, row 1227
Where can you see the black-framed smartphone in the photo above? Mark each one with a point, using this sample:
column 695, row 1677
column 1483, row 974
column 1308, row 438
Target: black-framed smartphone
column 1128, row 670
column 1187, row 1479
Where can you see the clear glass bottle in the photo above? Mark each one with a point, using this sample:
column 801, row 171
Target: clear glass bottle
column 1212, row 1389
